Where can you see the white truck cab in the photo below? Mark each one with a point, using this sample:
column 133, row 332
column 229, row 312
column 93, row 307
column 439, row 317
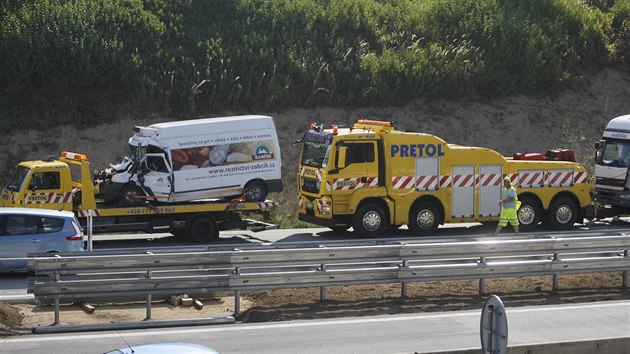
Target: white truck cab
column 612, row 185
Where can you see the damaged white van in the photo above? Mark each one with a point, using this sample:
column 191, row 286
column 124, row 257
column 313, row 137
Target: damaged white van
column 197, row 159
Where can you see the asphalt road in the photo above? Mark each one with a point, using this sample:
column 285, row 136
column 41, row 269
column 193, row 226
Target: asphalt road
column 424, row 332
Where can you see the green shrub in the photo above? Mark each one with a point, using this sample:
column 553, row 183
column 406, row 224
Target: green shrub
column 81, row 60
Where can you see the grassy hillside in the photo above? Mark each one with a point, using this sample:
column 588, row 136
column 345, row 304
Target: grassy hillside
column 86, row 62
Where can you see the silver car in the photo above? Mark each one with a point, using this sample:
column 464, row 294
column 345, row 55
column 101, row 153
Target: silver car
column 24, row 231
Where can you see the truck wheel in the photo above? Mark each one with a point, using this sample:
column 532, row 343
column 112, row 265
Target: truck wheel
column 370, row 220
column 202, row 228
column 255, row 191
column 528, row 214
column 128, row 194
column 562, row 213
column 424, row 218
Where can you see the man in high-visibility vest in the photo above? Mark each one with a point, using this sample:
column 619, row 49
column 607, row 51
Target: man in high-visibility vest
column 509, row 205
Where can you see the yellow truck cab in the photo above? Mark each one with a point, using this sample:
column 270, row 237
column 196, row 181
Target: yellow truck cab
column 40, row 184
column 67, row 184
column 371, row 177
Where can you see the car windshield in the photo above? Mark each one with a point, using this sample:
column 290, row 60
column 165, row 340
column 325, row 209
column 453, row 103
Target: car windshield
column 18, row 179
column 615, row 154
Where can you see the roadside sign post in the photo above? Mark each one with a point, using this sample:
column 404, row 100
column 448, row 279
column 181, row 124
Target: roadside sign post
column 494, row 328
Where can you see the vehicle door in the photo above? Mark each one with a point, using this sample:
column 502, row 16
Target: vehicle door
column 44, row 190
column 158, row 176
column 360, row 173
column 20, row 235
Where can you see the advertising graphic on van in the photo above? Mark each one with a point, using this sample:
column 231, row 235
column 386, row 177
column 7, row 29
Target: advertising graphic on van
column 220, row 155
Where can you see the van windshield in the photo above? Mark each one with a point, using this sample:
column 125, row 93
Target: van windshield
column 18, row 179
column 137, row 154
column 615, row 154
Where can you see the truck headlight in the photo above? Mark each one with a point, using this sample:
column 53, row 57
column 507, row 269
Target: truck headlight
column 318, row 184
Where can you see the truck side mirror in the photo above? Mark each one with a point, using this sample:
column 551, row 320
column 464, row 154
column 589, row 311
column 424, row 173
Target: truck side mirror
column 341, row 156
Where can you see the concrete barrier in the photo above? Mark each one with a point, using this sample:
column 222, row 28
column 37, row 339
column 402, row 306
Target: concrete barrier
column 594, row 346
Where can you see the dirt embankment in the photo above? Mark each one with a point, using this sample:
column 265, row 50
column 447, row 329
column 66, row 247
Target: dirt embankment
column 573, row 118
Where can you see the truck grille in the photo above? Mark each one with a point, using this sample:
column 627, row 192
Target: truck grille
column 610, row 182
column 309, row 185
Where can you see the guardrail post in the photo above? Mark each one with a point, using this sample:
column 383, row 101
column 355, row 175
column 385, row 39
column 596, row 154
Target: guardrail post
column 56, row 311
column 237, row 303
column 322, row 290
column 237, row 295
column 624, row 280
column 149, row 298
column 482, row 281
column 404, row 284
column 90, row 233
column 554, row 285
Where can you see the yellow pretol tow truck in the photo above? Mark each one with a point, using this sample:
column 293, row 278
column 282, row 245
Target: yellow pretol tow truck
column 66, row 184
column 371, row 177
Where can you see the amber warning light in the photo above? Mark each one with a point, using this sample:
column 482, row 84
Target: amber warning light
column 74, row 156
column 374, row 122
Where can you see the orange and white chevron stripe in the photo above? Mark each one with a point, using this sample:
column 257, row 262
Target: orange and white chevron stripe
column 345, row 184
column 489, row 180
column 47, row 198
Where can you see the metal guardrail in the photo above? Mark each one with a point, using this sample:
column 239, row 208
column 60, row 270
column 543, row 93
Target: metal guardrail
column 98, row 277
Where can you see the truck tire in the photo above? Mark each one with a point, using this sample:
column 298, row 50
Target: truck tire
column 202, row 229
column 561, row 214
column 255, row 191
column 424, row 219
column 528, row 214
column 127, row 196
column 370, row 220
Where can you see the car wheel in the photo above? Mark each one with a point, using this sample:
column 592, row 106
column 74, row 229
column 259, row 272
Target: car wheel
column 424, row 219
column 255, row 191
column 128, row 196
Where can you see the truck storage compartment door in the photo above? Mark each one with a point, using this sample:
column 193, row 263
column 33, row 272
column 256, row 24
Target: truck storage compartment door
column 489, row 182
column 463, row 191
column 561, row 177
column 531, row 178
column 427, row 173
